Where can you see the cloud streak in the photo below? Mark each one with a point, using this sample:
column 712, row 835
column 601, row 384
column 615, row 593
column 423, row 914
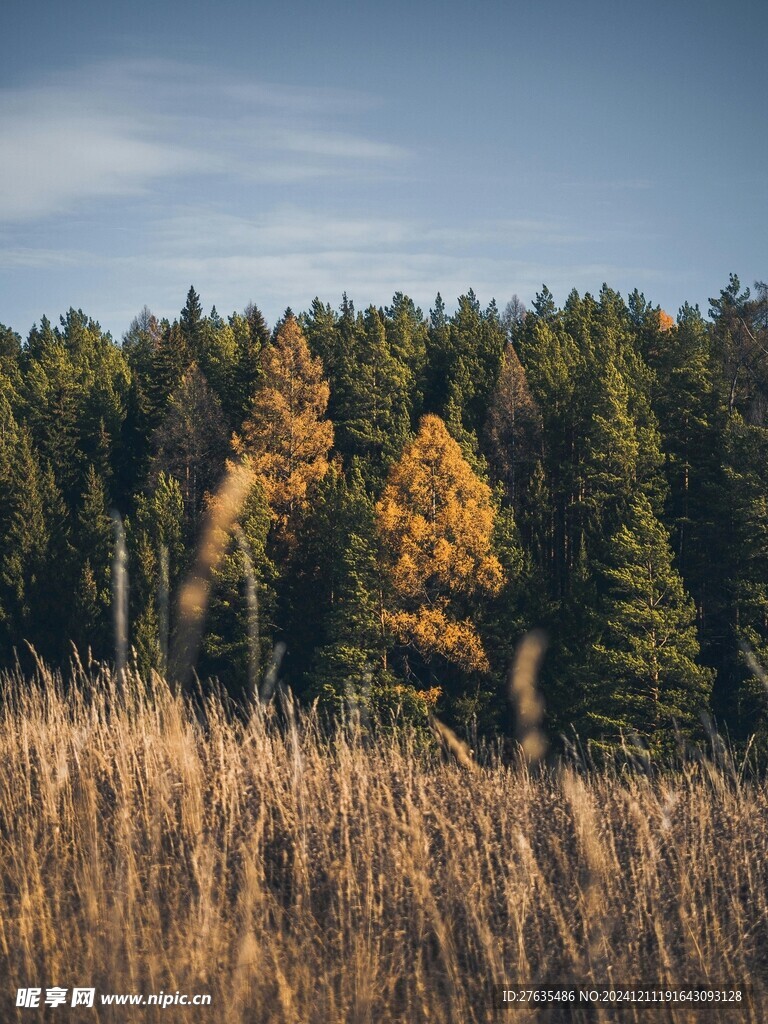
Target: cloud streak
column 129, row 180
column 117, row 130
column 291, row 254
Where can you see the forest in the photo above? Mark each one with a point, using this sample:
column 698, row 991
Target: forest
column 426, row 489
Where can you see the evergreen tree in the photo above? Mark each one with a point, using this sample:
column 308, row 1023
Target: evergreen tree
column 24, row 544
column 692, row 413
column 407, row 339
column 240, row 625
column 741, row 336
column 611, row 452
column 171, row 359
column 440, row 358
column 343, row 583
column 157, row 559
column 251, row 336
column 191, row 444
column 644, row 680
column 51, row 402
column 92, row 624
column 513, row 439
column 191, row 322
column 74, row 396
column 373, row 417
column 10, row 354
column 743, row 519
column 218, row 359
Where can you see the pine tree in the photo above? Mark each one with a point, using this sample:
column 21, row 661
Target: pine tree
column 512, row 435
column 344, row 586
column 744, row 544
column 155, row 535
column 240, row 623
column 52, row 398
column 24, row 543
column 373, row 416
column 740, row 333
column 645, row 680
column 440, row 359
column 171, row 359
column 407, row 338
column 191, row 322
column 218, row 358
column 478, row 342
column 251, row 335
column 74, row 396
column 93, row 599
column 191, row 443
column 10, row 353
column 611, row 451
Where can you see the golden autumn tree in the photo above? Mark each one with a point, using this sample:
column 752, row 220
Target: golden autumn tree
column 435, row 519
column 286, row 437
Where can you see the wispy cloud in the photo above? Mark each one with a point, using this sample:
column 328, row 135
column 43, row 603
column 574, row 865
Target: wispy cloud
column 129, row 180
column 115, row 129
column 286, row 228
column 29, row 257
column 290, row 254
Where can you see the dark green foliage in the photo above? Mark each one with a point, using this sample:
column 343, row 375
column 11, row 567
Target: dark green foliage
column 158, row 559
column 740, row 332
column 464, row 359
column 350, row 655
column 74, row 397
column 741, row 699
column 240, row 627
column 250, row 334
column 10, row 353
column 642, row 678
column 34, row 550
column 94, row 544
column 191, row 444
column 373, row 413
column 628, row 452
column 512, row 433
column 191, row 321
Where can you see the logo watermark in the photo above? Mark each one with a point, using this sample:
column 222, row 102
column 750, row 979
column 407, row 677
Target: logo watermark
column 36, row 997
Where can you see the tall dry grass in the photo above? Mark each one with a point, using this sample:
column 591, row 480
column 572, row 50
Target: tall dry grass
column 302, row 876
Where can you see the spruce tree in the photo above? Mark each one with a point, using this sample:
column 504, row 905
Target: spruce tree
column 350, row 655
column 24, row 545
column 644, row 677
column 93, row 600
column 373, row 417
column 240, row 624
column 191, row 321
column 157, row 560
column 191, row 443
column 512, row 434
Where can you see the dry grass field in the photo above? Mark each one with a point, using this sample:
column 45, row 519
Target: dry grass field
column 302, row 876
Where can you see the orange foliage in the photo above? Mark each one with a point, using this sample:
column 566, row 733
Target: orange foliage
column 435, row 520
column 285, row 437
column 666, row 322
column 430, row 630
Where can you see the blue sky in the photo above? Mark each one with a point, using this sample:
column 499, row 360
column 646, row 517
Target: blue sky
column 274, row 152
